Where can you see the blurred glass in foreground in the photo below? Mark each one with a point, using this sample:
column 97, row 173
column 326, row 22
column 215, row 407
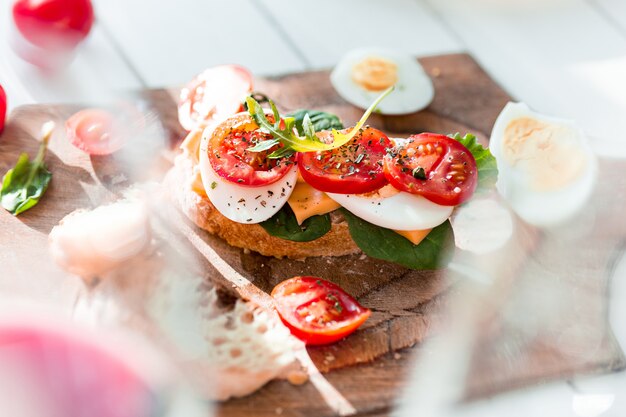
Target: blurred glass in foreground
column 532, row 311
column 56, row 368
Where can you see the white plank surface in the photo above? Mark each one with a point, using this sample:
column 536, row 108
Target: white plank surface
column 173, row 42
column 326, row 29
column 561, row 57
column 615, row 11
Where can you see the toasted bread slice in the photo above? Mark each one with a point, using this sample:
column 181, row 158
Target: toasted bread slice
column 198, row 208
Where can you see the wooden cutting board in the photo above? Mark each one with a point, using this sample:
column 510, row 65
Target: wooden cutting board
column 369, row 368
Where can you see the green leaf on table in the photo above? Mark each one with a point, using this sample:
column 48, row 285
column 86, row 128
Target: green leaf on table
column 434, row 252
column 25, row 184
column 284, row 225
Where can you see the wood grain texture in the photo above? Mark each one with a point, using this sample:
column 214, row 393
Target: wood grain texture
column 370, row 367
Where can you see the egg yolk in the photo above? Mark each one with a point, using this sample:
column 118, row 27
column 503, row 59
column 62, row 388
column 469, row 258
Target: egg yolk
column 547, row 153
column 375, row 73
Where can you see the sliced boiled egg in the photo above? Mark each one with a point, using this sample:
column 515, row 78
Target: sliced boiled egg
column 240, row 203
column 363, row 74
column 547, row 170
column 393, row 209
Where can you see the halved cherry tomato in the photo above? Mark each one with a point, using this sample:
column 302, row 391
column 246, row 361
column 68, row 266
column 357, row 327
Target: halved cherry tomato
column 434, row 166
column 231, row 160
column 3, row 108
column 216, row 93
column 316, row 311
column 53, row 24
column 102, row 132
column 354, row 168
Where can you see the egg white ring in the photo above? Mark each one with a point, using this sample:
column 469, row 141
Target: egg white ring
column 414, row 89
column 402, row 211
column 243, row 204
column 548, row 208
column 540, row 208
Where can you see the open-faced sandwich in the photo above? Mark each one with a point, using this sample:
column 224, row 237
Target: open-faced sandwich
column 299, row 185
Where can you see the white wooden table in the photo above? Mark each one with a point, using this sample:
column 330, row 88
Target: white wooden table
column 562, row 57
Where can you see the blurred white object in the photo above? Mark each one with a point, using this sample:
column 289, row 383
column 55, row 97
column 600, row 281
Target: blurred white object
column 481, row 226
column 225, row 352
column 371, row 67
column 91, row 242
column 592, row 405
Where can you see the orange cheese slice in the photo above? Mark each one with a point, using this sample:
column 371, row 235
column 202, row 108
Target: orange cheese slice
column 414, row 236
column 306, row 201
column 191, row 148
column 191, row 145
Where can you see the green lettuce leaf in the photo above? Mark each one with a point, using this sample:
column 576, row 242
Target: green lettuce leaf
column 434, row 252
column 284, row 225
column 320, row 120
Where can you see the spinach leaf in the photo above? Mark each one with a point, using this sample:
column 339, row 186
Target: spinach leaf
column 320, row 120
column 433, row 252
column 485, row 161
column 24, row 184
column 285, row 226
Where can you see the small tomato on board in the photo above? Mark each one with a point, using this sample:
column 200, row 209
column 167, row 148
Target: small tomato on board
column 317, row 311
column 102, row 131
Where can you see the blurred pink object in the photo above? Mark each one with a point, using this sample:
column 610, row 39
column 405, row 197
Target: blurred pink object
column 63, row 371
column 3, row 108
column 104, row 131
column 46, row 32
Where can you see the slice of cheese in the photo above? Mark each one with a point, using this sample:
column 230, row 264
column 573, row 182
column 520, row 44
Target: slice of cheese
column 414, row 236
column 191, row 145
column 306, row 201
column 191, row 149
column 196, row 184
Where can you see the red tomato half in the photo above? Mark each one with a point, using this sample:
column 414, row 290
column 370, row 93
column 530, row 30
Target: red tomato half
column 435, row 166
column 316, row 311
column 3, row 108
column 54, row 24
column 231, row 160
column 355, row 168
column 216, row 93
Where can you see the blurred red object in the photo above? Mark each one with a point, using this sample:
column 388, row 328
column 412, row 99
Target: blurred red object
column 49, row 30
column 3, row 108
column 102, row 131
column 47, row 371
column 94, row 131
